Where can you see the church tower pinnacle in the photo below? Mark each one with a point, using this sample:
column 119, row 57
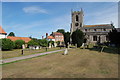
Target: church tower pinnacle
column 77, row 20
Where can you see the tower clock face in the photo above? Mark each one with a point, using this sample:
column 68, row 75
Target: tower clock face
column 76, row 24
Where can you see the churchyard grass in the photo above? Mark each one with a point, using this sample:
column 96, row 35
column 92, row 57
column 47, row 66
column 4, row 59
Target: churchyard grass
column 79, row 63
column 17, row 52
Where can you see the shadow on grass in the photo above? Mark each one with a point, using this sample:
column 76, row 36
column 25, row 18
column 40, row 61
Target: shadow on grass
column 111, row 50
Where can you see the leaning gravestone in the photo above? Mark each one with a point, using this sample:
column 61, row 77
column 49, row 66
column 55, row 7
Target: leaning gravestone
column 68, row 45
column 66, row 51
column 75, row 45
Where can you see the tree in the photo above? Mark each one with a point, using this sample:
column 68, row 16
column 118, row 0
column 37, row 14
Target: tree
column 11, row 34
column 77, row 37
column 32, row 43
column 114, row 37
column 43, row 42
column 52, row 42
column 61, row 31
column 67, row 38
column 7, row 44
column 19, row 43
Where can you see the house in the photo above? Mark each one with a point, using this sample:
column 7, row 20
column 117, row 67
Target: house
column 3, row 34
column 50, row 38
column 26, row 39
column 58, row 36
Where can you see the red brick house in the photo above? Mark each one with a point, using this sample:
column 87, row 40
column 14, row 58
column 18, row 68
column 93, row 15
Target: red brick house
column 58, row 36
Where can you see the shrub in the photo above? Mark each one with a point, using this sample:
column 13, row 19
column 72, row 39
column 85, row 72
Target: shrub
column 19, row 43
column 7, row 44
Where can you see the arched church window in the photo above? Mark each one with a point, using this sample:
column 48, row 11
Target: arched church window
column 85, row 29
column 95, row 30
column 77, row 18
column 80, row 24
column 104, row 29
column 94, row 38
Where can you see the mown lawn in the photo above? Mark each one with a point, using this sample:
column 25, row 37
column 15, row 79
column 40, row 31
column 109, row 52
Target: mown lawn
column 17, row 52
column 79, row 63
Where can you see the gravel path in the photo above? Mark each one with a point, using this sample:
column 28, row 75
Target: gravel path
column 26, row 57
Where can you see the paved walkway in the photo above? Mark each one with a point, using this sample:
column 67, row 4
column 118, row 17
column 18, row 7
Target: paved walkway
column 26, row 57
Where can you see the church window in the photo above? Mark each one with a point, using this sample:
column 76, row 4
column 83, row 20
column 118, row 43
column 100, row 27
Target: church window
column 104, row 29
column 80, row 24
column 94, row 29
column 94, row 38
column 76, row 24
column 107, row 38
column 77, row 18
column 85, row 29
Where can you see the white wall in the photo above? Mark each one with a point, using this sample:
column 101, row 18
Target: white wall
column 51, row 39
column 2, row 36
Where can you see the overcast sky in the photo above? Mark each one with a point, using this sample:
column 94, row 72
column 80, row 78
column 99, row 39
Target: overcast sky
column 37, row 18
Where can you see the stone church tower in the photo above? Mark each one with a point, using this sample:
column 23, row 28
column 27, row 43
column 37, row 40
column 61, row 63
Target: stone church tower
column 77, row 20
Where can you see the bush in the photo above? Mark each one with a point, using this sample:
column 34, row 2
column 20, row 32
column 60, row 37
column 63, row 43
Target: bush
column 32, row 43
column 19, row 43
column 7, row 44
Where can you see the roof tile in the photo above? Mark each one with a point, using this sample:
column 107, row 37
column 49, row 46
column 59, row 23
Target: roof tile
column 26, row 39
column 2, row 31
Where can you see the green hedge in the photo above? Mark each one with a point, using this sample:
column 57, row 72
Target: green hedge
column 19, row 43
column 32, row 43
column 7, row 44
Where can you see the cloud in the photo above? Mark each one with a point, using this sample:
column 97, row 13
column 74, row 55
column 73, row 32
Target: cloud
column 34, row 9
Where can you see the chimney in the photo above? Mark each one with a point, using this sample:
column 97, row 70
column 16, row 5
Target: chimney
column 46, row 35
column 42, row 37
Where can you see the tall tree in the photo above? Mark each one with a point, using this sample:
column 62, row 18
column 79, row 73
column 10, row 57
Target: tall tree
column 67, row 38
column 11, row 34
column 114, row 37
column 61, row 31
column 77, row 37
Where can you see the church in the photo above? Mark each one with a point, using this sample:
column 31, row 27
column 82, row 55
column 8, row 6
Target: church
column 93, row 33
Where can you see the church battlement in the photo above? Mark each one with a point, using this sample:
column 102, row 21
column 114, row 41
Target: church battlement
column 76, row 11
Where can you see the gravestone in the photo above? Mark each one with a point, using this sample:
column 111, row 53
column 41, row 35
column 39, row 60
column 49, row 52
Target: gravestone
column 75, row 45
column 40, row 47
column 49, row 45
column 68, row 45
column 23, row 46
column 37, row 47
column 66, row 51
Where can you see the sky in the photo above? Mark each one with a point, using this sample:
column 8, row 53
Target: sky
column 0, row 13
column 36, row 19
